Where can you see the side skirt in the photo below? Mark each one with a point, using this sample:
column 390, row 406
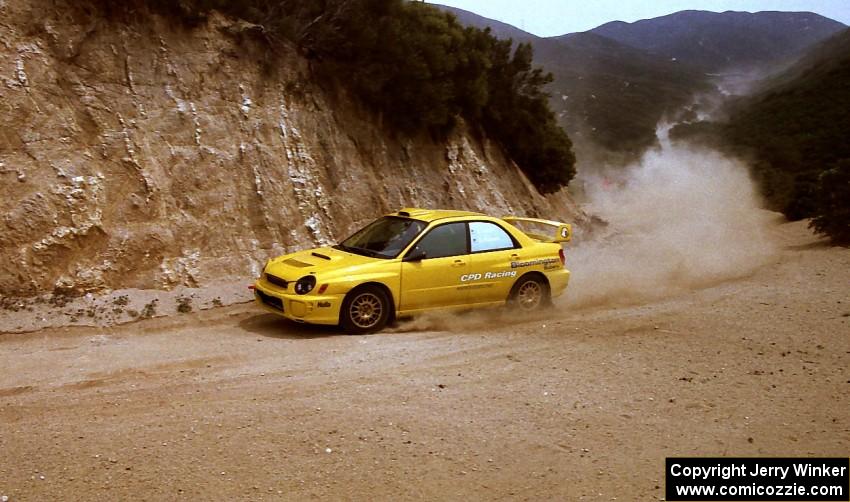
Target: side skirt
column 453, row 308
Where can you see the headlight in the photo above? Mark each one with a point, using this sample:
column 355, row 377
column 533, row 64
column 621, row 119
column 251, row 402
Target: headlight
column 305, row 284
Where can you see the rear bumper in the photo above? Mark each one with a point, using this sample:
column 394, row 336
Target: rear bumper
column 313, row 309
column 558, row 281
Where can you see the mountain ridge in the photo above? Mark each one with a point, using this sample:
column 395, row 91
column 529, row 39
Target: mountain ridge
column 610, row 91
column 498, row 28
column 596, row 78
column 720, row 41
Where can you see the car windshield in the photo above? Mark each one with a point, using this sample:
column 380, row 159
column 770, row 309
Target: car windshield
column 383, row 238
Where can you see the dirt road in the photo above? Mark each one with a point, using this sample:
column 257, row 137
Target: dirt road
column 232, row 403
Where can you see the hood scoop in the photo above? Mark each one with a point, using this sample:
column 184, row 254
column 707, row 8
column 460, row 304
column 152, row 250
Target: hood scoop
column 297, row 263
column 320, row 255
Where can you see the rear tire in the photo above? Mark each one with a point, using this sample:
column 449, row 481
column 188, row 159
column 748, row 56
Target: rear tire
column 365, row 310
column 530, row 294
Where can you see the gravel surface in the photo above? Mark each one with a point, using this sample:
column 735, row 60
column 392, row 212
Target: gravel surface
column 232, row 403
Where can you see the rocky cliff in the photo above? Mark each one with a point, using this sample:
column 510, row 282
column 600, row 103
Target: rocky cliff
column 145, row 153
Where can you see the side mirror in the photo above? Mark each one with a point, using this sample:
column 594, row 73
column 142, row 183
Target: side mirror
column 415, row 254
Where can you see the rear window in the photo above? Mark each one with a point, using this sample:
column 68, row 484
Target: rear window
column 486, row 236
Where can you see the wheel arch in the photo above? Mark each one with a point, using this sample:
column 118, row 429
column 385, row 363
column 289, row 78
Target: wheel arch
column 527, row 275
column 380, row 285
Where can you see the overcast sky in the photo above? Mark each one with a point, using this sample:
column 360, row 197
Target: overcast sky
column 557, row 17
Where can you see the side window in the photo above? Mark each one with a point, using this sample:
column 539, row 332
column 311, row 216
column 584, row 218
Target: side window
column 489, row 237
column 445, row 240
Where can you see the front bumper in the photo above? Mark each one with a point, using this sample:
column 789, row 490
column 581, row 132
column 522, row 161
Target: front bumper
column 313, row 309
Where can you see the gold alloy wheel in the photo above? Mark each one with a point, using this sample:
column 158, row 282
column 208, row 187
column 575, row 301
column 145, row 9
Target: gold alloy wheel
column 530, row 295
column 365, row 310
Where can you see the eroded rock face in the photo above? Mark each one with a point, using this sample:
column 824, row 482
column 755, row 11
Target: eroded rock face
column 148, row 154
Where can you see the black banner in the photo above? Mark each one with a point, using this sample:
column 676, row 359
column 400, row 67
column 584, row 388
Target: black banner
column 745, row 479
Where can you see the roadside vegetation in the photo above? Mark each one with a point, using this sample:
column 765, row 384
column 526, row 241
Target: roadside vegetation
column 414, row 65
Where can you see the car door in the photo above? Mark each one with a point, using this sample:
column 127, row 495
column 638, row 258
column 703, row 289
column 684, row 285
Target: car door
column 492, row 252
column 432, row 270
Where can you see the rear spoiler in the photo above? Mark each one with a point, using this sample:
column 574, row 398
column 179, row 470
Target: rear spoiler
column 554, row 231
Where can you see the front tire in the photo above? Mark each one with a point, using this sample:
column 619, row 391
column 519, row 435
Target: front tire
column 365, row 310
column 530, row 294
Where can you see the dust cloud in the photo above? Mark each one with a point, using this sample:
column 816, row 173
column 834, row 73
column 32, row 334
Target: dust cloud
column 681, row 218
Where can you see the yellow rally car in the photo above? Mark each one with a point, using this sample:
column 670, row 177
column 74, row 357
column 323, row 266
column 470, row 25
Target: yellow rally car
column 418, row 260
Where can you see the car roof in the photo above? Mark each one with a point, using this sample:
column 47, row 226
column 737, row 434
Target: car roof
column 430, row 215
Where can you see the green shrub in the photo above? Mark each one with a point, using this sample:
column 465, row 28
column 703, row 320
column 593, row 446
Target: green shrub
column 833, row 203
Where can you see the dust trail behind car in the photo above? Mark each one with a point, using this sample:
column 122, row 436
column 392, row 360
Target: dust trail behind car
column 681, row 218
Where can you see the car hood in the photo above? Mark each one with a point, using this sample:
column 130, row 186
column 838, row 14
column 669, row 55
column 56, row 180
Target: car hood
column 324, row 260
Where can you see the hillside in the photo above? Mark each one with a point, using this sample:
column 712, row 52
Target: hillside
column 609, row 96
column 147, row 153
column 795, row 130
column 817, row 62
column 715, row 42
